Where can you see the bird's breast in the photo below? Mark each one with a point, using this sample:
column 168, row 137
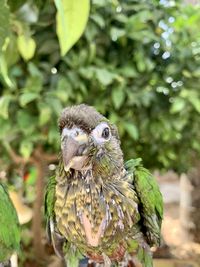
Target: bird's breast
column 92, row 216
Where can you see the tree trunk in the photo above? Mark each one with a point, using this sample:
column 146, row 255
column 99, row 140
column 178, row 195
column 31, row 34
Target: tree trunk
column 37, row 218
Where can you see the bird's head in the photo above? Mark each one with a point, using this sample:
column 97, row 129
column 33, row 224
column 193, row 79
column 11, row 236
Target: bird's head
column 89, row 141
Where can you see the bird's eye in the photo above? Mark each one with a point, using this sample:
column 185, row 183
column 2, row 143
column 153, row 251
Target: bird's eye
column 106, row 133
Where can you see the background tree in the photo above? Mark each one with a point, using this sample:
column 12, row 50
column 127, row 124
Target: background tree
column 137, row 62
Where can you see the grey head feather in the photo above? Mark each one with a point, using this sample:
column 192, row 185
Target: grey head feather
column 84, row 116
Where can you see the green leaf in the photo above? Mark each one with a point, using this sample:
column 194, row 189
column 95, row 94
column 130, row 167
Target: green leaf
column 196, row 103
column 118, row 96
column 104, row 76
column 71, row 20
column 14, row 5
column 6, row 128
column 26, row 149
column 55, row 105
column 193, row 98
column 131, row 130
column 140, row 61
column 45, row 114
column 27, row 98
column 98, row 19
column 23, row 122
column 116, row 33
column 53, row 136
column 26, row 46
column 63, row 90
column 4, row 22
column 4, row 71
column 4, row 104
column 33, row 84
column 11, row 54
column 177, row 105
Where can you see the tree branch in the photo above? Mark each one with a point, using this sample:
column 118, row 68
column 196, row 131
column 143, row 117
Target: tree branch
column 15, row 158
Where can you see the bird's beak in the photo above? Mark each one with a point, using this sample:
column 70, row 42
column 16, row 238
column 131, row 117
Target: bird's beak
column 74, row 151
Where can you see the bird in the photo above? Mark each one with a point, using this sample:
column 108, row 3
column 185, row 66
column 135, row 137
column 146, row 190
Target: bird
column 97, row 205
column 9, row 228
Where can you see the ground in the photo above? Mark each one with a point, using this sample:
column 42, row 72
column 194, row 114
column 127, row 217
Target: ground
column 181, row 252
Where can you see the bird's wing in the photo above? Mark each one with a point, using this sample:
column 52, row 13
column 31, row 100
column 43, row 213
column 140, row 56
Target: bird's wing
column 150, row 200
column 53, row 234
column 63, row 249
column 9, row 226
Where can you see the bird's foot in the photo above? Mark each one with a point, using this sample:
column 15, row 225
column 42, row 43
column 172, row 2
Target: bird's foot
column 107, row 261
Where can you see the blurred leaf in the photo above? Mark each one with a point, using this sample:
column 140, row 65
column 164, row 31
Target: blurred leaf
column 196, row 103
column 45, row 114
column 87, row 72
column 4, row 22
column 26, row 149
column 27, row 98
column 4, row 71
column 140, row 61
column 23, row 122
column 55, row 105
column 14, row 5
column 53, row 136
column 177, row 105
column 129, row 71
column 187, row 74
column 104, row 76
column 71, row 19
column 116, row 33
column 11, row 54
column 4, row 104
column 98, row 19
column 33, row 84
column 193, row 97
column 118, row 96
column 34, row 71
column 63, row 91
column 26, row 46
column 131, row 130
column 5, row 128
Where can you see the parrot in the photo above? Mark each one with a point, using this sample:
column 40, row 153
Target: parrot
column 9, row 228
column 97, row 206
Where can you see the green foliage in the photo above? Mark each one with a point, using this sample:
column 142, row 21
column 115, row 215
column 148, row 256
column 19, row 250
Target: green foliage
column 4, row 26
column 71, row 20
column 137, row 62
column 26, row 46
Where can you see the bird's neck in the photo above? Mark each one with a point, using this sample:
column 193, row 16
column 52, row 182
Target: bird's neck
column 99, row 173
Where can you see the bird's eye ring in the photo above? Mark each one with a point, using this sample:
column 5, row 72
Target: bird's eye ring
column 105, row 133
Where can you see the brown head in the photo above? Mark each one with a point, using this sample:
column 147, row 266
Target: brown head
column 88, row 140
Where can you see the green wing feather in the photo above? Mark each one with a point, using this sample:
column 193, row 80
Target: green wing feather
column 60, row 244
column 49, row 205
column 50, row 198
column 9, row 226
column 53, row 234
column 151, row 202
